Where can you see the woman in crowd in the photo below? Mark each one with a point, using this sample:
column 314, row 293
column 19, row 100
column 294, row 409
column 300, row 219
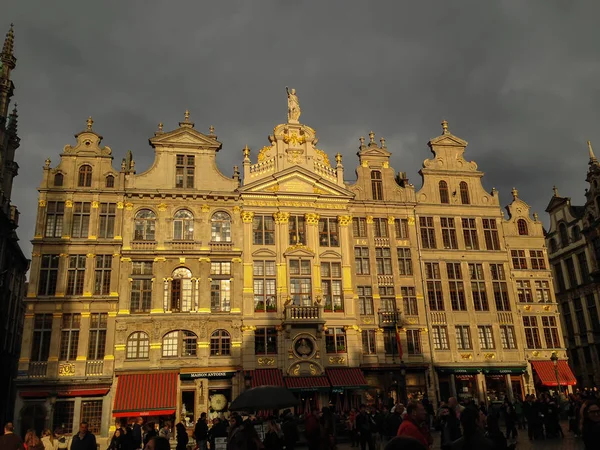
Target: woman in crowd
column 182, row 436
column 48, row 440
column 32, row 441
column 273, row 436
column 115, row 442
column 591, row 425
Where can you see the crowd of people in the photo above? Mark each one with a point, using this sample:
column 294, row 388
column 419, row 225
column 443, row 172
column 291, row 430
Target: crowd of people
column 460, row 426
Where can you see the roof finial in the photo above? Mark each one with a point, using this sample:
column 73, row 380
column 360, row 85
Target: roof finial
column 89, row 122
column 535, row 217
column 371, row 137
column 211, row 130
column 362, row 141
column 186, row 116
column 445, row 127
column 591, row 152
column 9, row 42
column 47, row 163
column 246, row 152
column 160, row 127
column 555, row 190
column 382, row 140
column 338, row 158
column 515, row 193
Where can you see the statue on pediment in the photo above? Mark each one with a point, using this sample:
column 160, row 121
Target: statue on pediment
column 294, row 110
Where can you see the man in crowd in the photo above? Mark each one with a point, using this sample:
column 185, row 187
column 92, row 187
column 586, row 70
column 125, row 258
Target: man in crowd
column 365, row 425
column 201, row 432
column 84, row 440
column 9, row 440
column 412, row 425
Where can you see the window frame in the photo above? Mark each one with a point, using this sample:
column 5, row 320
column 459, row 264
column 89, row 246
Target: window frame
column 220, row 343
column 220, row 227
column 144, row 225
column 444, row 193
column 376, row 185
column 184, row 170
column 137, row 344
column 265, row 285
column 329, row 232
column 84, row 178
column 331, row 286
column 337, row 337
column 465, row 198
column 183, row 225
column 70, row 330
column 449, row 239
column 261, row 233
column 268, row 342
column 55, row 219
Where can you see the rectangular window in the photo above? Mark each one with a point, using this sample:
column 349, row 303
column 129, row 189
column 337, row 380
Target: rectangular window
column 593, row 312
column 427, row 232
column 380, row 227
column 142, row 268
column 331, row 285
column 75, row 274
column 263, row 230
column 404, row 261
column 69, row 337
column 220, row 268
column 390, row 344
column 328, row 233
column 560, row 279
column 507, row 336
column 365, row 300
column 98, row 330
column 265, row 290
column 478, row 291
column 64, row 411
column 81, row 219
column 583, row 267
column 359, row 227
column 376, row 185
column 141, row 296
column 102, row 275
column 550, row 332
column 463, row 337
column 440, row 337
column 542, row 291
column 571, row 275
column 335, row 340
column 469, row 227
column 184, row 171
column 434, row 287
column 42, row 332
column 300, row 282
column 486, row 337
column 383, row 260
column 55, row 215
column 519, row 260
column 457, row 290
column 579, row 315
column 449, row 233
column 413, row 339
column 401, row 227
column 220, row 286
column 538, row 262
column 532, row 333
column 48, row 275
column 361, row 260
column 490, row 233
column 524, row 291
column 409, row 301
column 91, row 412
column 368, row 342
column 265, row 341
column 499, row 285
column 568, row 322
column 297, row 230
column 108, row 215
column 387, row 298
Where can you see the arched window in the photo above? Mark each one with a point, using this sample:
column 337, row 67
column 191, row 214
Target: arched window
column 138, row 345
column 444, row 197
column 179, row 343
column 376, row 185
column 553, row 245
column 522, row 227
column 145, row 225
column 181, row 290
column 564, row 235
column 183, row 225
column 110, row 181
column 576, row 233
column 58, row 179
column 221, row 227
column 464, row 193
column 220, row 343
column 85, row 176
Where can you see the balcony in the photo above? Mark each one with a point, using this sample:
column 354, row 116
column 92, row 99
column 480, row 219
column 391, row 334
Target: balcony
column 184, row 245
column 390, row 318
column 303, row 315
column 382, row 242
column 143, row 245
column 221, row 246
column 37, row 369
column 94, row 368
column 385, row 280
column 505, row 317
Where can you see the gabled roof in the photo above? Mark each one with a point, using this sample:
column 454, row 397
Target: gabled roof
column 185, row 137
column 555, row 202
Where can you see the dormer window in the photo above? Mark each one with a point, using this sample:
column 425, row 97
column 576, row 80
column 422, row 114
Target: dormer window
column 85, row 176
column 444, row 197
column 110, row 181
column 184, row 171
column 58, row 179
column 376, row 185
column 564, row 235
column 522, row 227
column 464, row 193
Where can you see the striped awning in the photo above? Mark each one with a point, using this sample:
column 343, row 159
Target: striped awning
column 547, row 373
column 346, row 378
column 267, row 377
column 146, row 394
column 307, row 383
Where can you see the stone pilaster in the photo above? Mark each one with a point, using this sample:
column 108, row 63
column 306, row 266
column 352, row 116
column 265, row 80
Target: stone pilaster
column 346, row 249
column 282, row 239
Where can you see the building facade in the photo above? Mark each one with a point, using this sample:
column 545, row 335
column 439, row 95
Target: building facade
column 171, row 291
column 573, row 241
column 13, row 263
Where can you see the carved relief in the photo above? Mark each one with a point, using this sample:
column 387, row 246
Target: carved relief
column 266, row 361
column 247, row 216
column 66, row 370
column 281, row 217
column 344, row 221
column 312, row 219
column 337, row 360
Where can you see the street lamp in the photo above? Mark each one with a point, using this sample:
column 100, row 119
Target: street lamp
column 554, row 359
column 403, row 381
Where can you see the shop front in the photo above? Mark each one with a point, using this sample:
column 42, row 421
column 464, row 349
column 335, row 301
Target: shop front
column 503, row 383
column 553, row 374
column 312, row 392
column 388, row 384
column 347, row 387
column 460, row 382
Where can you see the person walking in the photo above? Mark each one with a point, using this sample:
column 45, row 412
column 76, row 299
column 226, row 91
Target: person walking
column 32, row 441
column 9, row 440
column 48, row 440
column 182, row 436
column 473, row 423
column 137, row 433
column 84, row 440
column 412, row 425
column 365, row 426
column 449, row 427
column 273, row 436
column 201, row 432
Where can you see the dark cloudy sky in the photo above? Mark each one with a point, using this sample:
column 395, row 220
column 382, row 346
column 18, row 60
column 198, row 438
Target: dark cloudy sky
column 519, row 80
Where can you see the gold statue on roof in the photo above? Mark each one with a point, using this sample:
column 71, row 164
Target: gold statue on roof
column 294, row 110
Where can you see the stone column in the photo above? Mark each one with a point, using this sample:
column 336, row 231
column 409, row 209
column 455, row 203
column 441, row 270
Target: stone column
column 125, row 281
column 119, row 222
column 312, row 242
column 248, row 274
column 204, row 285
column 509, row 388
column 281, row 243
column 54, row 346
column 84, row 340
column 158, row 286
column 67, row 220
column 26, row 343
column 236, row 289
column 109, row 354
column 93, row 228
column 347, row 249
column 482, row 388
column 41, row 220
column 90, row 275
column 453, row 385
column 61, row 281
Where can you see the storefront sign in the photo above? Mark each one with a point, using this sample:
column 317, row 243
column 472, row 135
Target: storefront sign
column 504, row 370
column 213, row 375
column 337, row 391
column 459, row 370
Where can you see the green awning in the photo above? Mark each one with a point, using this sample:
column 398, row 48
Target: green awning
column 505, row 370
column 459, row 370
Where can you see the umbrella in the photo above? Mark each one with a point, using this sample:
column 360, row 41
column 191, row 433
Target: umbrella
column 264, row 397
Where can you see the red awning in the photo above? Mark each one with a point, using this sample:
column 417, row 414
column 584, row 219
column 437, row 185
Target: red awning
column 71, row 391
column 147, row 394
column 307, row 383
column 346, row 378
column 267, row 377
column 547, row 373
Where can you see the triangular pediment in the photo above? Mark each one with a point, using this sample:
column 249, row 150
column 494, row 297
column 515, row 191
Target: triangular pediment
column 296, row 180
column 185, row 137
column 555, row 202
column 448, row 140
column 264, row 253
column 374, row 151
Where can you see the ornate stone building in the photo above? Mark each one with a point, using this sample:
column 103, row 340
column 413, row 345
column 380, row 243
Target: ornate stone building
column 170, row 291
column 574, row 247
column 13, row 263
